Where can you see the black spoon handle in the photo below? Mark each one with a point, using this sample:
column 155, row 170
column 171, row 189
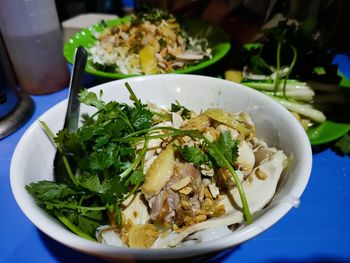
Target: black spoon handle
column 72, row 115
column 76, row 83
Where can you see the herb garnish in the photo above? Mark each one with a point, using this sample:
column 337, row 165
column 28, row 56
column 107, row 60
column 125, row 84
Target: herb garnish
column 109, row 169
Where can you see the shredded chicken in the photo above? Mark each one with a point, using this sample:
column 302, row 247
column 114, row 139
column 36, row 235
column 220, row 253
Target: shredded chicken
column 187, row 196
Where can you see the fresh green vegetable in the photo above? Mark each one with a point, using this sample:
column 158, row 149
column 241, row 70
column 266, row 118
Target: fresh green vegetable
column 299, row 96
column 184, row 112
column 225, row 144
column 311, row 54
column 106, row 168
column 303, row 109
column 279, row 35
column 291, row 88
column 344, row 144
column 194, row 155
column 228, row 147
column 107, row 171
column 275, row 64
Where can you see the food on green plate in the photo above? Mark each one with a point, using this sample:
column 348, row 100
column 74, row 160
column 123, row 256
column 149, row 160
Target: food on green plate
column 149, row 43
column 143, row 176
column 288, row 64
column 295, row 96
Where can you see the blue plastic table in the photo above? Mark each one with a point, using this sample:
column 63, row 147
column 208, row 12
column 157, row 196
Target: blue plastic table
column 317, row 231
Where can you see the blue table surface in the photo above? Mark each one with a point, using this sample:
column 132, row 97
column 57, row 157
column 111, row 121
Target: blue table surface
column 317, row 231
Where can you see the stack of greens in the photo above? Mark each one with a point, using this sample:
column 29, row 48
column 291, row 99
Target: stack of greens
column 285, row 63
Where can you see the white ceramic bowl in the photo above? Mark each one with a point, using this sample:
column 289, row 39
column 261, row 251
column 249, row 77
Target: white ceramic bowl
column 33, row 157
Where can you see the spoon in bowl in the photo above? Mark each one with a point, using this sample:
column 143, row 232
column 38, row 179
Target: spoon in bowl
column 72, row 115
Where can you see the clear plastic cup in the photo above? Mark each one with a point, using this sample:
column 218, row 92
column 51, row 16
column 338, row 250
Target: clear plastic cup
column 33, row 38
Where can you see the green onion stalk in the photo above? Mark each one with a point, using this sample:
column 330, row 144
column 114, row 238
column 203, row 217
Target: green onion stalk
column 278, row 67
column 295, row 55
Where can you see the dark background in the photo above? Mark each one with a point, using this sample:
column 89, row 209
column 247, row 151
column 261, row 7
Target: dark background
column 241, row 19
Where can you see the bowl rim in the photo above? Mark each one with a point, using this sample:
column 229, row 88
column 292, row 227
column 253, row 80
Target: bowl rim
column 93, row 248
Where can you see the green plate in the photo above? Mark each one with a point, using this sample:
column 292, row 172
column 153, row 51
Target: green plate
column 217, row 38
column 329, row 131
column 326, row 132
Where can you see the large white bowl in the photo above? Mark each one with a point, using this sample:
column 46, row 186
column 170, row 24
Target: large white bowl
column 33, row 157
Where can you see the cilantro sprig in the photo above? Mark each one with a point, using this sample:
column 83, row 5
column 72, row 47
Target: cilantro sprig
column 107, row 171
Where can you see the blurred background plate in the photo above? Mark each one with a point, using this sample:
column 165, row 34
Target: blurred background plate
column 332, row 130
column 338, row 122
column 217, row 38
column 327, row 132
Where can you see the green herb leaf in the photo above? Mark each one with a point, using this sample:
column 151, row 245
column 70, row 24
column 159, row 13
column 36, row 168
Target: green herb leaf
column 141, row 117
column 116, row 192
column 91, row 182
column 89, row 221
column 344, row 144
column 49, row 191
column 194, row 155
column 185, row 113
column 259, row 65
column 87, row 119
column 69, row 142
column 228, row 147
column 90, row 98
column 135, row 178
